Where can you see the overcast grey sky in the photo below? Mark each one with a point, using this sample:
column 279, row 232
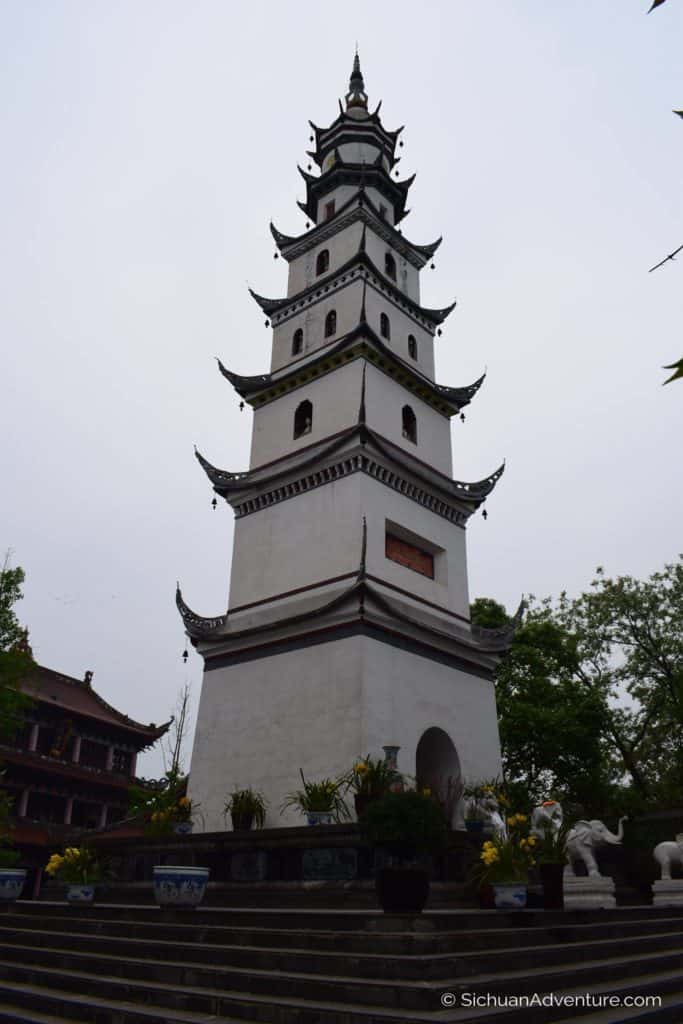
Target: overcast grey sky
column 147, row 144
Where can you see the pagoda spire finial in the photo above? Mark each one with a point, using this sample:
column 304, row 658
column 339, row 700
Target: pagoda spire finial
column 356, row 97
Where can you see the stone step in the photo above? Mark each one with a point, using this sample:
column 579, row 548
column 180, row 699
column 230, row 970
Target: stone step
column 24, row 1003
column 113, row 1005
column 34, row 1004
column 184, row 929
column 355, row 963
column 670, row 1012
column 153, row 980
column 340, row 920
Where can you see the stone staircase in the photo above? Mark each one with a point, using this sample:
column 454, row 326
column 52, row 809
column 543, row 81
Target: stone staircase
column 114, row 964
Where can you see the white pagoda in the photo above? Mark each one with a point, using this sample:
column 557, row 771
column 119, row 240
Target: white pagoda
column 348, row 625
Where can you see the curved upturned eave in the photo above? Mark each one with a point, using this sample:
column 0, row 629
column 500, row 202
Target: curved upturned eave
column 197, row 627
column 372, row 120
column 363, row 175
column 245, row 386
column 221, row 478
column 457, row 397
column 267, row 305
column 285, row 242
column 367, row 596
column 473, row 493
column 225, row 483
column 281, row 240
column 271, row 306
column 460, row 396
column 499, row 639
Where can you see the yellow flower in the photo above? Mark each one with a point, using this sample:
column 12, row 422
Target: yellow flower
column 183, row 802
column 427, row 792
column 532, row 840
column 54, row 864
column 520, row 818
column 360, row 768
column 512, row 820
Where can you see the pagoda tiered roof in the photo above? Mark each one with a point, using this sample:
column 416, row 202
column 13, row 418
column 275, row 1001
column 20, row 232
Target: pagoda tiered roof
column 374, row 176
column 274, row 306
column 332, row 458
column 355, row 208
column 368, row 129
column 362, row 341
column 360, row 603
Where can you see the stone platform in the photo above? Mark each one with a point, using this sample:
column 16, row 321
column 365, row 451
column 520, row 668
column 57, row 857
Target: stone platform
column 328, row 866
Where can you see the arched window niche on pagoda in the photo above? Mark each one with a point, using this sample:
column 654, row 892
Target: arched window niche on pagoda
column 385, row 326
column 412, row 346
column 331, row 323
column 390, row 266
column 303, row 419
column 298, row 342
column 322, row 263
column 409, row 424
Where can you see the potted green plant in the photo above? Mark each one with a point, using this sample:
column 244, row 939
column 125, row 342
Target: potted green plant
column 79, row 869
column 505, row 861
column 369, row 779
column 321, row 802
column 245, row 807
column 164, row 806
column 405, row 826
column 551, row 857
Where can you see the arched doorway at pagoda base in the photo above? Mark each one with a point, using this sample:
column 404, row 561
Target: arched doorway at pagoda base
column 437, row 767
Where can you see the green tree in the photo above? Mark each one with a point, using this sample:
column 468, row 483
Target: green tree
column 590, row 695
column 551, row 731
column 630, row 652
column 15, row 654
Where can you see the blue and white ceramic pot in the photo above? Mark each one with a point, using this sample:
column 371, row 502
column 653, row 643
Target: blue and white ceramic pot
column 80, row 893
column 177, row 886
column 11, row 883
column 182, row 828
column 319, row 817
column 509, row 895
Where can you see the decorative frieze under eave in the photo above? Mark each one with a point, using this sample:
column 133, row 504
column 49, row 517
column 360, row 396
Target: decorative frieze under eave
column 355, row 450
column 362, row 342
column 358, row 208
column 280, row 310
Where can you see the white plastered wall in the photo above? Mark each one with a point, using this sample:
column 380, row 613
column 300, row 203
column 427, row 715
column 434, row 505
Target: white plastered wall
column 346, row 302
column 318, row 708
column 401, row 325
column 336, row 400
column 316, row 536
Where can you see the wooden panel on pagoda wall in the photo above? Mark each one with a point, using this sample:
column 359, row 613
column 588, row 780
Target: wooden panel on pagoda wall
column 410, row 556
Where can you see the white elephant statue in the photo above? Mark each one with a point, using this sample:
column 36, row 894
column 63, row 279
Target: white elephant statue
column 487, row 808
column 585, row 836
column 547, row 817
column 668, row 853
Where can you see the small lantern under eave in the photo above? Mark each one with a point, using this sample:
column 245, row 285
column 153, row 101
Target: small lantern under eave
column 214, row 504
column 185, row 656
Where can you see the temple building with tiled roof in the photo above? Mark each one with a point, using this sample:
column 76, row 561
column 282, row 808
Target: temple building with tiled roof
column 75, row 758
